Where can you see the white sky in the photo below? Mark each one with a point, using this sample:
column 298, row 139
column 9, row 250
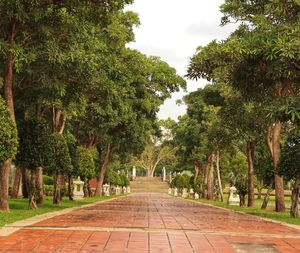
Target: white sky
column 172, row 30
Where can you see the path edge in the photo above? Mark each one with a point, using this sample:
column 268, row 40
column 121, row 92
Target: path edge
column 297, row 227
column 10, row 228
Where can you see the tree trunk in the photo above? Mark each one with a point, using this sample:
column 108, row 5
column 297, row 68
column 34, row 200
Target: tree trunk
column 25, row 182
column 103, row 170
column 242, row 200
column 32, row 192
column 295, row 199
column 206, row 173
column 39, row 185
column 57, row 188
column 85, row 188
column 259, row 189
column 274, row 146
column 17, row 182
column 9, row 67
column 210, row 180
column 267, row 196
column 279, row 190
column 219, row 176
column 250, row 158
column 4, row 177
column 70, row 192
column 197, row 170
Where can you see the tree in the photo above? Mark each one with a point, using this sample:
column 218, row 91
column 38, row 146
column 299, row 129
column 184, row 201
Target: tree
column 289, row 167
column 153, row 155
column 8, row 150
column 59, row 163
column 33, row 154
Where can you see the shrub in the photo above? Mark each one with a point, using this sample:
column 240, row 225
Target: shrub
column 8, row 134
column 48, row 180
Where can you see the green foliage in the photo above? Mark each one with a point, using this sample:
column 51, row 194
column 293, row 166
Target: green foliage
column 113, row 178
column 8, row 134
column 181, row 181
column 59, row 156
column 48, row 189
column 85, row 166
column 263, row 164
column 48, row 180
column 35, row 139
column 290, row 158
column 197, row 185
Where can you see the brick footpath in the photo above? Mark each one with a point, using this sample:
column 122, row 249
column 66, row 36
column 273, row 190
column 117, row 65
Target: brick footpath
column 153, row 222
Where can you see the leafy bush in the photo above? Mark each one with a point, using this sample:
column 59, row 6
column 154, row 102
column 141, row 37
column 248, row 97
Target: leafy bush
column 290, row 159
column 59, row 156
column 48, row 189
column 85, row 166
column 48, row 180
column 181, row 181
column 125, row 180
column 8, row 134
column 34, row 144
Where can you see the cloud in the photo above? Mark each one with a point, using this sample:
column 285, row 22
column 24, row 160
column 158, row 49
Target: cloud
column 210, row 30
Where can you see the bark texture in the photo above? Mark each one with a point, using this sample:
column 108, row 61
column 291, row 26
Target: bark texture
column 294, row 212
column 267, row 196
column 16, row 184
column 250, row 159
column 219, row 176
column 39, row 185
column 103, row 170
column 4, row 177
column 57, row 188
column 32, row 192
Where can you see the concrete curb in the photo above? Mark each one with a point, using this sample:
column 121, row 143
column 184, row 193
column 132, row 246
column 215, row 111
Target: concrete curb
column 8, row 229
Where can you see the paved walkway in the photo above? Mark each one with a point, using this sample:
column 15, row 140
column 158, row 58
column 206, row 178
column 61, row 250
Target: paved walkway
column 153, row 222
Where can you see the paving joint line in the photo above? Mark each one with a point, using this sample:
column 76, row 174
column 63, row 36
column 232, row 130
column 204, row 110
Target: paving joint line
column 8, row 229
column 147, row 230
column 241, row 212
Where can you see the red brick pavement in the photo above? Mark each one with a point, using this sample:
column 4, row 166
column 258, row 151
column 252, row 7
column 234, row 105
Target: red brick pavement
column 150, row 223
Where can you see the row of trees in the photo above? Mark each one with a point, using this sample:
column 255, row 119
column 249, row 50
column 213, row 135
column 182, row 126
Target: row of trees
column 252, row 108
column 249, row 115
column 75, row 96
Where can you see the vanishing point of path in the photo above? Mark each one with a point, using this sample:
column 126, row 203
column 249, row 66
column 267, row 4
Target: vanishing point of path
column 153, row 222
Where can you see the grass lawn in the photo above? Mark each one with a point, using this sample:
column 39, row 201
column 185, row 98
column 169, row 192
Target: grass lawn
column 268, row 213
column 19, row 211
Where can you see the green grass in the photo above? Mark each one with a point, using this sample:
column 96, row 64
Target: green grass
column 19, row 211
column 268, row 213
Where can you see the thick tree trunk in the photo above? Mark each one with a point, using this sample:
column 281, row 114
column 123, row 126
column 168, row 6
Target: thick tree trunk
column 210, row 180
column 8, row 94
column 250, row 158
column 9, row 67
column 4, row 177
column 85, row 188
column 279, row 190
column 103, row 170
column 57, row 188
column 267, row 196
column 39, row 185
column 273, row 142
column 17, row 182
column 70, row 192
column 197, row 170
column 295, row 199
column 25, row 182
column 219, row 176
column 32, row 191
